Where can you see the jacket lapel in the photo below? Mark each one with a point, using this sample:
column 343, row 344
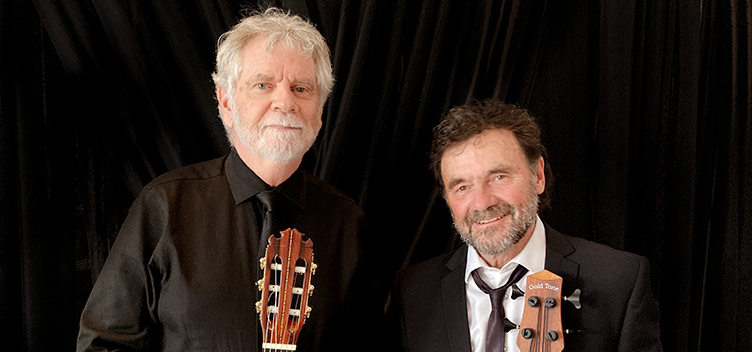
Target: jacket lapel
column 557, row 251
column 455, row 308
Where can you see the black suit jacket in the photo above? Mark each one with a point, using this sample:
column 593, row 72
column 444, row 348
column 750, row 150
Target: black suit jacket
column 618, row 310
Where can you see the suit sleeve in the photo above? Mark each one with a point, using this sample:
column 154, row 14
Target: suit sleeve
column 641, row 325
column 120, row 312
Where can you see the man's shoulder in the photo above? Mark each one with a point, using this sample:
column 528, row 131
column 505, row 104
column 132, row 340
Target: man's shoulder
column 202, row 171
column 435, row 268
column 596, row 262
column 588, row 249
column 322, row 191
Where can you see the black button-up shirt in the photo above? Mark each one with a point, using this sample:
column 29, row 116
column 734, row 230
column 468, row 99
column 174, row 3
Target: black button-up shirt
column 181, row 274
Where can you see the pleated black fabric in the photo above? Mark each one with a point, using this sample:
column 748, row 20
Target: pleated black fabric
column 645, row 109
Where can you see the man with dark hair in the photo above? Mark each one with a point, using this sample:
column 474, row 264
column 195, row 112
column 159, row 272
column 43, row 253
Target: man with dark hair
column 182, row 274
column 490, row 164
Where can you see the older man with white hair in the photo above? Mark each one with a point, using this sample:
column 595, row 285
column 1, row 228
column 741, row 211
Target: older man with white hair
column 182, row 273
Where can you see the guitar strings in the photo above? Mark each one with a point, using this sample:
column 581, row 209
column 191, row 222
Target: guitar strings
column 284, row 318
column 544, row 341
column 284, row 297
column 539, row 327
column 293, row 303
column 273, row 300
column 280, row 328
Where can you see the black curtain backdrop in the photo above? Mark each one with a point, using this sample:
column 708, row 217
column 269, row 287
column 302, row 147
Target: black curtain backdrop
column 645, row 108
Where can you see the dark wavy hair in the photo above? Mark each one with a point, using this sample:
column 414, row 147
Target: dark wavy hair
column 465, row 121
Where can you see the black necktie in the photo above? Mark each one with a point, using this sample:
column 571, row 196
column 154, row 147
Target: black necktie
column 270, row 200
column 495, row 333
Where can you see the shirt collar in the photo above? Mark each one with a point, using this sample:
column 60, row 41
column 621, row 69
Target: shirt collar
column 533, row 256
column 244, row 183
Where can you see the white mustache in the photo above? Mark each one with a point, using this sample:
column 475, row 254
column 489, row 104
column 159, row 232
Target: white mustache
column 288, row 120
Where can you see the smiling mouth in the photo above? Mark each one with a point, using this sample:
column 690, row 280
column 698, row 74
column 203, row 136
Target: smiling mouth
column 489, row 216
column 487, row 221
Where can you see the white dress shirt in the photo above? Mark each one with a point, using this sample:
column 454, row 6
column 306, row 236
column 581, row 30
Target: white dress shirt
column 533, row 257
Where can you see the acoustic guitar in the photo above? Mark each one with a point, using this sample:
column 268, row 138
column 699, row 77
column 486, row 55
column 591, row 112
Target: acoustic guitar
column 285, row 287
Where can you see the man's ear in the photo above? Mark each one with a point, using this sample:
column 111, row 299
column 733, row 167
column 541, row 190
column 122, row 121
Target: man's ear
column 225, row 108
column 540, row 177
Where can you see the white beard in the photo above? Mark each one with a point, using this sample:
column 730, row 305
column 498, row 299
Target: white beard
column 278, row 145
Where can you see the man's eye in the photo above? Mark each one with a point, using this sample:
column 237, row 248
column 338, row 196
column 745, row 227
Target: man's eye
column 301, row 89
column 262, row 85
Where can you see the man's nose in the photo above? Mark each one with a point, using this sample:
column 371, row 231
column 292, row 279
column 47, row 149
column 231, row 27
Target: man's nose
column 284, row 100
column 483, row 198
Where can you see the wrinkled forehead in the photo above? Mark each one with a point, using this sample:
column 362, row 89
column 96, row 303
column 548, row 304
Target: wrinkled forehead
column 261, row 55
column 260, row 51
column 493, row 145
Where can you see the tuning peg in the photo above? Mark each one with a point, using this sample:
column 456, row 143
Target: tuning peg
column 308, row 312
column 260, row 284
column 310, row 290
column 313, row 268
column 574, row 298
column 527, row 333
column 516, row 292
column 549, row 302
column 258, row 307
column 262, row 263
